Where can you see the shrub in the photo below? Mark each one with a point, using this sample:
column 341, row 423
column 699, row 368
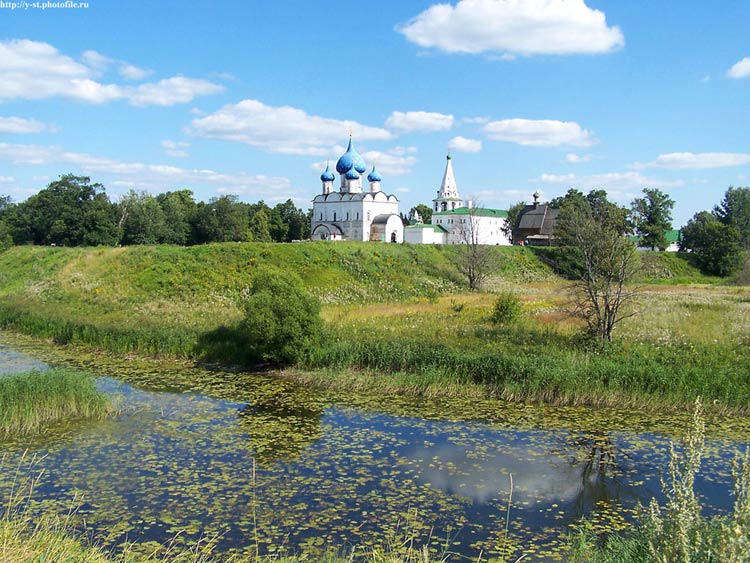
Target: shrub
column 282, row 321
column 507, row 309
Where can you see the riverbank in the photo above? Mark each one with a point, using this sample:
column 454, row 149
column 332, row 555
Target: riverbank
column 397, row 319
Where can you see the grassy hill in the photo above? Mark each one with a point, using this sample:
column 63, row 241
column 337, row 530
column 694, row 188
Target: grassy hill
column 160, row 299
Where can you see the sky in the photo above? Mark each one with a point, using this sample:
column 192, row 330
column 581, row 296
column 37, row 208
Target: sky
column 254, row 97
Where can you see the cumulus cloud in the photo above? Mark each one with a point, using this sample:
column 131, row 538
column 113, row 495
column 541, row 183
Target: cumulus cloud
column 539, row 132
column 574, row 158
column 740, row 69
column 393, row 162
column 696, row 161
column 155, row 177
column 175, row 148
column 419, row 121
column 462, row 144
column 20, row 125
column 616, row 182
column 281, row 129
column 34, row 70
column 525, row 27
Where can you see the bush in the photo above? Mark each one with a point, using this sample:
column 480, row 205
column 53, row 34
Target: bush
column 282, row 321
column 507, row 309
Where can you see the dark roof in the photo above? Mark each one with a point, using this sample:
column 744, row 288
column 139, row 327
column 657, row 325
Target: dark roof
column 540, row 218
column 383, row 218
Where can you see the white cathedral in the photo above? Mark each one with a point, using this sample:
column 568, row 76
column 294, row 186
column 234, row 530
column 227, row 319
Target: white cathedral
column 352, row 214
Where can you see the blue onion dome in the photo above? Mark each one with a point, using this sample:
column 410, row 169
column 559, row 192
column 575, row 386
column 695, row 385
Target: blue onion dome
column 374, row 176
column 352, row 174
column 350, row 159
column 327, row 175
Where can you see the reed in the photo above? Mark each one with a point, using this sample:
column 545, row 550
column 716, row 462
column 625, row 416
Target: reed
column 33, row 400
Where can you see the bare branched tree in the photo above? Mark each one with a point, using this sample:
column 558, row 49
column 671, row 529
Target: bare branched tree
column 608, row 261
column 476, row 261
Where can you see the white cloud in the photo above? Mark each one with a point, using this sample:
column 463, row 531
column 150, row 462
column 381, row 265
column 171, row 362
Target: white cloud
column 132, row 72
column 740, row 69
column 282, row 129
column 462, row 144
column 419, row 121
column 154, row 177
column 615, row 182
column 539, row 132
column 175, row 148
column 170, row 91
column 696, row 161
column 525, row 27
column 574, row 158
column 34, row 70
column 393, row 162
column 7, row 179
column 20, row 125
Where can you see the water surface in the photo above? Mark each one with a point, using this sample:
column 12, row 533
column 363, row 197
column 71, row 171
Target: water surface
column 261, row 463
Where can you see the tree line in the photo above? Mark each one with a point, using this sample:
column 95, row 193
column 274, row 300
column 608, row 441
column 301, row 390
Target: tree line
column 73, row 211
column 718, row 240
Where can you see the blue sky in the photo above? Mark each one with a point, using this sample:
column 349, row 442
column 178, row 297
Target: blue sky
column 252, row 98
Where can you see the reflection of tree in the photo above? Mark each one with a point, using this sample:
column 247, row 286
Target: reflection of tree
column 600, row 470
column 281, row 426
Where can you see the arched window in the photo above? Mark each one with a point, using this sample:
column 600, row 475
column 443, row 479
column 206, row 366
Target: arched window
column 444, row 206
column 334, row 215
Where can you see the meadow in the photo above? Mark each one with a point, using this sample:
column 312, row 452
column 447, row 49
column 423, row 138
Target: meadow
column 399, row 317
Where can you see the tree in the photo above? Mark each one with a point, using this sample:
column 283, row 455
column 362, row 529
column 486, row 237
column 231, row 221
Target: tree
column 282, row 321
column 652, row 216
column 260, row 227
column 510, row 222
column 179, row 214
column 714, row 246
column 595, row 229
column 142, row 219
column 295, row 221
column 70, row 211
column 6, row 239
column 734, row 210
column 222, row 219
column 475, row 260
column 425, row 212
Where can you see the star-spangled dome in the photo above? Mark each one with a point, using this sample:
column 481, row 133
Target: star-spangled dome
column 374, row 175
column 327, row 175
column 350, row 159
column 352, row 174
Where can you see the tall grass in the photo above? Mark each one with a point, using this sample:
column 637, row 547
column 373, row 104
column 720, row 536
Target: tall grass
column 33, row 400
column 678, row 532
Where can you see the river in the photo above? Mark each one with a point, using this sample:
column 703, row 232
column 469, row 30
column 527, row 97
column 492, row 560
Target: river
column 255, row 461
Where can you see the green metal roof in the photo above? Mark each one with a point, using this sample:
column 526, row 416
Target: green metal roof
column 673, row 235
column 480, row 211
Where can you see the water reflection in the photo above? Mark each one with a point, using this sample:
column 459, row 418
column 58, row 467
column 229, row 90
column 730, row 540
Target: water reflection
column 206, row 453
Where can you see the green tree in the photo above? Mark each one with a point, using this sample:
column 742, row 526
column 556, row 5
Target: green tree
column 295, row 220
column 179, row 209
column 734, row 210
column 6, row 239
column 260, row 227
column 282, row 321
column 70, row 211
column 595, row 230
column 425, row 212
column 142, row 219
column 652, row 217
column 714, row 246
column 222, row 219
column 510, row 222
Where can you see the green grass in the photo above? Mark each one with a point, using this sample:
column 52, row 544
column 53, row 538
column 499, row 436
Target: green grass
column 34, row 400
